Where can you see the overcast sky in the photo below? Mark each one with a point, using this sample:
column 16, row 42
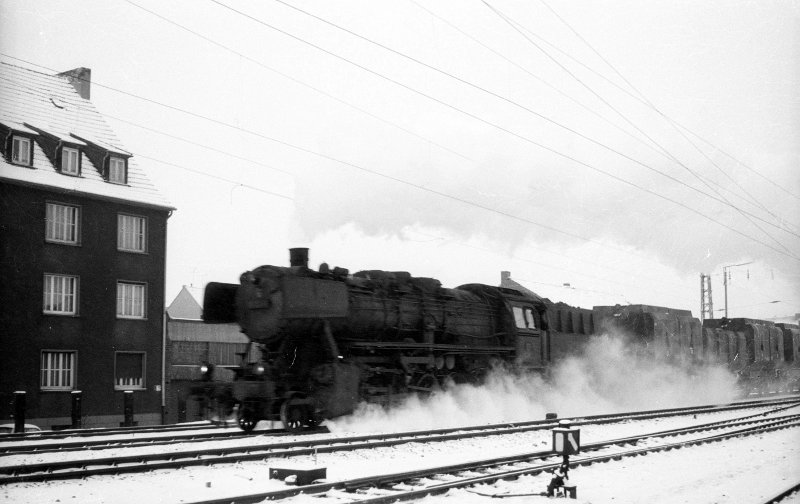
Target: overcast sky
column 620, row 147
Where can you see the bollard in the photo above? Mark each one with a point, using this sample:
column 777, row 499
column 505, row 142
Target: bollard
column 19, row 411
column 76, row 409
column 128, row 408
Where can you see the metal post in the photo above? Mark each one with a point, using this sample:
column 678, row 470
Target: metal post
column 128, row 408
column 725, row 283
column 19, row 411
column 725, row 273
column 76, row 409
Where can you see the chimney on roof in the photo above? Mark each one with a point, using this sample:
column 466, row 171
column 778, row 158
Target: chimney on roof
column 504, row 277
column 81, row 80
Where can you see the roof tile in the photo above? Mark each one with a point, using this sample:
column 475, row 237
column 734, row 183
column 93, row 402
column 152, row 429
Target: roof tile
column 52, row 104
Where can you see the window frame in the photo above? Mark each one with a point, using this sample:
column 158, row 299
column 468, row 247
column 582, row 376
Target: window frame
column 121, row 235
column 28, row 152
column 48, row 295
column 51, row 223
column 66, row 150
column 45, row 371
column 524, row 317
column 121, row 299
column 120, row 162
column 143, row 385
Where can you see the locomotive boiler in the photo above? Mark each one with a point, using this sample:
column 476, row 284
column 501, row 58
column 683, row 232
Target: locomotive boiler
column 328, row 339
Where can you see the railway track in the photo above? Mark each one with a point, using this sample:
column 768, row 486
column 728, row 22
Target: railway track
column 80, row 468
column 103, row 431
column 102, row 444
column 417, row 484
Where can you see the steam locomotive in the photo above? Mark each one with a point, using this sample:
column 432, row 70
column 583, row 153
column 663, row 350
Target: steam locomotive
column 325, row 340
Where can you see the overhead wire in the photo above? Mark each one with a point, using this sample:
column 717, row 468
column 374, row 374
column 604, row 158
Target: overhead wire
column 642, row 100
column 497, row 126
column 300, row 82
column 491, row 93
column 782, row 224
column 652, row 106
column 514, row 25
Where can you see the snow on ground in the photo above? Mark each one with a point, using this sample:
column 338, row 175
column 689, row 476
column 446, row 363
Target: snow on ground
column 746, row 470
column 252, row 477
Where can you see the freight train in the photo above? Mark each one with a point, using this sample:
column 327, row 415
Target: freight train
column 324, row 340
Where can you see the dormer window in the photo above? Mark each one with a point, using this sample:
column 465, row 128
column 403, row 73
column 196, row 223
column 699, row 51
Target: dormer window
column 116, row 170
column 21, row 150
column 70, row 161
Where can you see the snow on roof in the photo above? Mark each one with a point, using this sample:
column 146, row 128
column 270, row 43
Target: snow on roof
column 51, row 103
column 185, row 306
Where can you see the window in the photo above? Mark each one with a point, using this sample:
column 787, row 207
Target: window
column 130, row 300
column 131, row 233
column 523, row 317
column 69, row 161
column 62, row 223
column 60, row 294
column 129, row 371
column 116, row 170
column 21, row 150
column 58, row 370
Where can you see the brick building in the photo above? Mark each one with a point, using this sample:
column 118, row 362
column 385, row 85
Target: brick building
column 83, row 237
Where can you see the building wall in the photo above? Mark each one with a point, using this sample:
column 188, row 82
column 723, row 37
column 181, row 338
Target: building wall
column 95, row 333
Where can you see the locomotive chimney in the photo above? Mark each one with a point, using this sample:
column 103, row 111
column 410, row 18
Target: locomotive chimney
column 298, row 257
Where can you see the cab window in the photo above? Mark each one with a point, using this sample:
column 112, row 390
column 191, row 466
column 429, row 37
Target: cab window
column 523, row 317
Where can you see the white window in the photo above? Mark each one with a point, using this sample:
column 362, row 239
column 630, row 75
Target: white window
column 60, row 294
column 129, row 371
column 130, row 300
column 131, row 233
column 62, row 223
column 523, row 317
column 21, row 150
column 116, row 170
column 69, row 160
column 58, row 370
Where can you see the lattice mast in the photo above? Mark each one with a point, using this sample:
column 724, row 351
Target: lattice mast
column 706, row 302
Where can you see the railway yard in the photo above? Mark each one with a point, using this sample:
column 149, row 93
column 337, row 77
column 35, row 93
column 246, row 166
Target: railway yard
column 747, row 451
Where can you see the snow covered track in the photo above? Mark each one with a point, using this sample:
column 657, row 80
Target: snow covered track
column 782, row 495
column 417, row 484
column 99, row 444
column 25, row 470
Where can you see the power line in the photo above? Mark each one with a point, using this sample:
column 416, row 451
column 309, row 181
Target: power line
column 300, row 82
column 514, row 25
column 217, row 177
column 753, row 201
column 642, row 99
column 300, row 39
column 652, row 106
column 503, row 98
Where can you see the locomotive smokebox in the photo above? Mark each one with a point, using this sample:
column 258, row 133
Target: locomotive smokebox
column 298, row 257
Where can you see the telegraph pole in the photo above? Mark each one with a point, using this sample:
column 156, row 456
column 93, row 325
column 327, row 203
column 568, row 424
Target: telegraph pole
column 725, row 277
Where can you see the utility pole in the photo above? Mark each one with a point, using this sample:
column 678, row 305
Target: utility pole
column 706, row 302
column 726, row 277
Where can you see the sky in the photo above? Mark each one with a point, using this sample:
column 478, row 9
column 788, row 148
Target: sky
column 602, row 152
